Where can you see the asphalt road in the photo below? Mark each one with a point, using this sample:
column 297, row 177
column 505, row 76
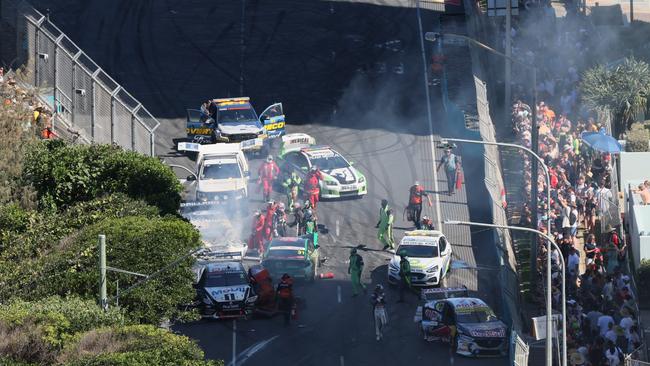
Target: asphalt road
column 324, row 61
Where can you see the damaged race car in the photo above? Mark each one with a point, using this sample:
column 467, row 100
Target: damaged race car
column 223, row 289
column 340, row 178
column 468, row 324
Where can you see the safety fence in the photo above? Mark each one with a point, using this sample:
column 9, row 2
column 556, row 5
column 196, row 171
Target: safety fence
column 82, row 95
column 521, row 350
column 631, row 362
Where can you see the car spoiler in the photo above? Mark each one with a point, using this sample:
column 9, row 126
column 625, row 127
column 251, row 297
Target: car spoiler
column 207, row 253
column 296, row 141
column 439, row 293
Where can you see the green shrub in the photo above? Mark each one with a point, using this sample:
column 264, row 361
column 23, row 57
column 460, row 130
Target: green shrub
column 136, row 345
column 638, row 138
column 64, row 174
column 133, row 243
column 644, row 280
column 25, row 250
column 36, row 331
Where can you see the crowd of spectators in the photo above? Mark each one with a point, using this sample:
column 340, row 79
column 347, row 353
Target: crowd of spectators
column 602, row 313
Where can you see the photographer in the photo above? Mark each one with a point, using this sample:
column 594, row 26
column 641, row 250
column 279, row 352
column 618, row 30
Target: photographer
column 379, row 310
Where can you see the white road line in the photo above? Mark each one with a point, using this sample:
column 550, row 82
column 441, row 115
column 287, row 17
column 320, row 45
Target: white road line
column 337, row 227
column 250, row 351
column 234, row 341
column 433, row 145
column 342, row 360
column 338, row 293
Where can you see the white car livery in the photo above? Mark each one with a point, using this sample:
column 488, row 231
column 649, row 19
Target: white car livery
column 428, row 253
column 222, row 172
column 224, row 291
column 340, row 177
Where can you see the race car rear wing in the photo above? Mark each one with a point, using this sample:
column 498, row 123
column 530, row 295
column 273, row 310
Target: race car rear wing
column 248, row 145
column 296, row 141
column 439, row 293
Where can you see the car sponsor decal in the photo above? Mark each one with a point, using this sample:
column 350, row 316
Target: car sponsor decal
column 274, row 126
column 198, row 131
column 227, row 293
column 422, row 240
column 316, row 154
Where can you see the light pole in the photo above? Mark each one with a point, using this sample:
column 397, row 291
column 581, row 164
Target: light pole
column 551, row 241
column 433, row 36
column 548, row 230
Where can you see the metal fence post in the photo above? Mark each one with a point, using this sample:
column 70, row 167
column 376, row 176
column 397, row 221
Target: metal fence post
column 37, row 30
column 72, row 95
column 152, row 143
column 112, row 119
column 133, row 122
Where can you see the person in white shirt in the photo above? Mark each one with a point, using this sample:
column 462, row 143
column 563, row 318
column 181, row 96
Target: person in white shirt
column 611, row 333
column 608, row 289
column 612, row 354
column 626, row 322
column 603, row 323
column 574, row 263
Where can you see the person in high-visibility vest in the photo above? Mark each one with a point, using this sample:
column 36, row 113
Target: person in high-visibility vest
column 385, row 225
column 404, row 275
column 354, row 270
column 291, row 184
column 311, row 228
column 285, row 295
column 414, row 209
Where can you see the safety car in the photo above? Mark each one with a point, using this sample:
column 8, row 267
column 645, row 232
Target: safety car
column 223, row 289
column 296, row 256
column 235, row 120
column 299, row 154
column 467, row 323
column 428, row 253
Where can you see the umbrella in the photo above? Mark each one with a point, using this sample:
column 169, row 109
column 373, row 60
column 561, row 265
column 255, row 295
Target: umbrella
column 601, row 141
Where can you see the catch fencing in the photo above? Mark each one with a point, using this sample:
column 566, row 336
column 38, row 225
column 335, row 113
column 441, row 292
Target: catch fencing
column 521, row 350
column 82, row 95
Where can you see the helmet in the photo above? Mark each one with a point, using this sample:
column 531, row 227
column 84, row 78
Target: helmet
column 281, row 206
column 269, row 158
column 425, row 218
column 416, row 183
column 384, row 202
column 294, row 175
column 402, row 253
column 257, row 212
column 307, row 204
column 285, row 276
column 270, row 203
column 353, row 251
column 296, row 205
column 379, row 287
column 314, row 168
column 308, row 214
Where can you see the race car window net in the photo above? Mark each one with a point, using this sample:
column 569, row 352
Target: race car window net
column 329, row 162
column 221, row 171
column 236, row 115
column 223, row 279
column 419, row 251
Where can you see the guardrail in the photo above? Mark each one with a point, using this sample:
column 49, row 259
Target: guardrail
column 82, row 95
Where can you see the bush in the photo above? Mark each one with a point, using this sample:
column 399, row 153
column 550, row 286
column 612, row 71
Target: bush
column 29, row 236
column 134, row 346
column 34, row 332
column 644, row 281
column 64, row 174
column 135, row 243
column 638, row 138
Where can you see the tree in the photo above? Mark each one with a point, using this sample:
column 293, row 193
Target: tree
column 638, row 137
column 71, row 331
column 623, row 89
column 64, row 174
column 134, row 243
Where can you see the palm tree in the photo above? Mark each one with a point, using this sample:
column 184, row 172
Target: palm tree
column 622, row 89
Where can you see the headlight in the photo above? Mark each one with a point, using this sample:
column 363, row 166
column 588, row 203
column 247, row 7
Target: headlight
column 433, row 269
column 251, row 299
column 331, row 183
column 362, row 179
column 464, row 338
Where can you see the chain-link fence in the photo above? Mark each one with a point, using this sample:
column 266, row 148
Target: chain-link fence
column 83, row 97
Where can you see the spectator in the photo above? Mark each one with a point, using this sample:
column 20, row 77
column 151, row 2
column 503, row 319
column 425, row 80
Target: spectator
column 604, row 321
column 613, row 354
column 644, row 192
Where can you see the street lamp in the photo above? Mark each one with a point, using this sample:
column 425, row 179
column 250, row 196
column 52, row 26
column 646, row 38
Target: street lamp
column 549, row 309
column 551, row 241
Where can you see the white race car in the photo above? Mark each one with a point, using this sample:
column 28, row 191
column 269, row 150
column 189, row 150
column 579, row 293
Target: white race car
column 428, row 253
column 340, row 177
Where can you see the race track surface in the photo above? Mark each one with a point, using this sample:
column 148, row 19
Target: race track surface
column 323, row 60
